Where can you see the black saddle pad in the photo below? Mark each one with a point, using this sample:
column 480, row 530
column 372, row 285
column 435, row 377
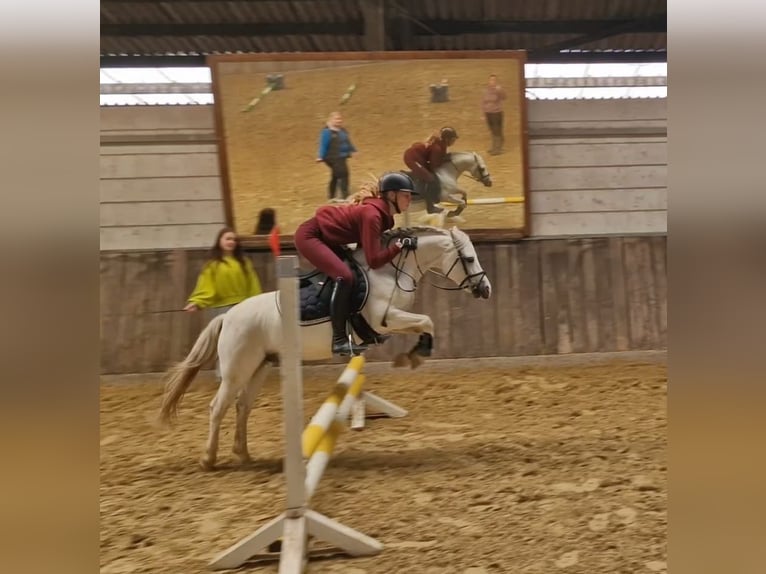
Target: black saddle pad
column 316, row 288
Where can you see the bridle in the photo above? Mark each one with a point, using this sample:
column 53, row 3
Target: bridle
column 471, row 281
column 483, row 171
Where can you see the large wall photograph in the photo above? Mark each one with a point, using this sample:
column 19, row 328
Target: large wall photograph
column 300, row 130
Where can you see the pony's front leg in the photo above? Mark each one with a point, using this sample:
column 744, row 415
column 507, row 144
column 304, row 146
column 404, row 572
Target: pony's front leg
column 405, row 322
column 244, row 406
column 460, row 198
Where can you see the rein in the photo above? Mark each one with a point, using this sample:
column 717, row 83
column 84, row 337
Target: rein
column 399, row 267
column 399, row 271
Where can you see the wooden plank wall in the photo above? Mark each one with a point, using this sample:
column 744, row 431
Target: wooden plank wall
column 160, row 178
column 549, row 296
column 596, row 167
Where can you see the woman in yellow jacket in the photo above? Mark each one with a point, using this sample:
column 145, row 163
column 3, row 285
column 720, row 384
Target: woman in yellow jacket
column 226, row 279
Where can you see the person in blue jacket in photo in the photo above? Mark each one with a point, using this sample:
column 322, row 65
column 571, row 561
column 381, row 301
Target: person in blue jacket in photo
column 335, row 148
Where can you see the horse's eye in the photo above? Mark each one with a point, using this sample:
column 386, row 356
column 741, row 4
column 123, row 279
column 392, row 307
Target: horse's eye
column 469, row 259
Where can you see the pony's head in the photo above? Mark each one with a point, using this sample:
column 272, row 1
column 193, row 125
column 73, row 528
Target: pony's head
column 461, row 265
column 450, row 254
column 480, row 172
column 473, row 163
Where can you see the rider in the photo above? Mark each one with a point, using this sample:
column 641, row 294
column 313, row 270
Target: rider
column 362, row 221
column 425, row 158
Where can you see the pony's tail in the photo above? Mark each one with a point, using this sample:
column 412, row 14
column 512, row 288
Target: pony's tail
column 181, row 375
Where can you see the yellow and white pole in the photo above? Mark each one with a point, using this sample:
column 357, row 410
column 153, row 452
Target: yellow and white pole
column 317, row 464
column 322, row 419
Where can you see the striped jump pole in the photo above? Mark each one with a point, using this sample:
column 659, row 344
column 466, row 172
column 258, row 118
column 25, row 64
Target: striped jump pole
column 254, row 102
column 347, row 95
column 320, row 455
column 294, row 526
column 326, row 414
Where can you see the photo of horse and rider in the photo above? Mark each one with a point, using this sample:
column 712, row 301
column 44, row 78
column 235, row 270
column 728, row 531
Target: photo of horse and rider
column 334, row 125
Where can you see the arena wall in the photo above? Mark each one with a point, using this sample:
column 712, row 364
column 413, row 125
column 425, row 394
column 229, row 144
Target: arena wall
column 591, row 278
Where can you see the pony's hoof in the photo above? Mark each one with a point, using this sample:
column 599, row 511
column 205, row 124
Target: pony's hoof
column 401, row 360
column 206, row 463
column 416, row 360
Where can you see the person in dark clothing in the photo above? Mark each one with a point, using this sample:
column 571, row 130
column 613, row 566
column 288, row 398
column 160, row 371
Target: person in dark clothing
column 425, row 158
column 335, row 148
column 362, row 221
column 267, row 225
column 492, row 106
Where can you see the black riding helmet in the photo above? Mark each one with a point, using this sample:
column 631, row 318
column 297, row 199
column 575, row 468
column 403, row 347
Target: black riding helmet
column 396, row 181
column 448, row 133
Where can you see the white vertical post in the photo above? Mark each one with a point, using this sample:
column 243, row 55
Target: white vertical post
column 292, row 524
column 292, row 382
column 297, row 523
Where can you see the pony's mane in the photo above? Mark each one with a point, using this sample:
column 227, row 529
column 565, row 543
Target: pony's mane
column 449, row 154
column 414, row 230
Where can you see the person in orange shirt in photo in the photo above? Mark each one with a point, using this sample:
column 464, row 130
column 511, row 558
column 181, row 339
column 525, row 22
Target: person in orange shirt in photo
column 267, row 225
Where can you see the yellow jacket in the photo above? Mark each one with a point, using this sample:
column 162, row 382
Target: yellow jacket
column 225, row 283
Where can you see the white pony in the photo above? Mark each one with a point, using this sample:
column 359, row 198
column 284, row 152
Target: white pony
column 249, row 336
column 448, row 173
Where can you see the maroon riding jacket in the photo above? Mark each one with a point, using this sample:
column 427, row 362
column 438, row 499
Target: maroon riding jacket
column 431, row 156
column 362, row 224
column 437, row 153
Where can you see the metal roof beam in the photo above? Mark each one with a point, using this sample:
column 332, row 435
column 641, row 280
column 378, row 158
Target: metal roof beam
column 349, row 28
column 574, row 57
column 589, row 29
column 658, row 23
column 118, row 2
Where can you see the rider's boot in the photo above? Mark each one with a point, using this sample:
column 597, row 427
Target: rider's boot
column 430, row 194
column 340, row 309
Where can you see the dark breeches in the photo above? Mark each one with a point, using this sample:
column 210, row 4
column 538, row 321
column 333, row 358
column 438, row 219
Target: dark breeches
column 338, row 177
column 411, row 161
column 495, row 123
column 309, row 243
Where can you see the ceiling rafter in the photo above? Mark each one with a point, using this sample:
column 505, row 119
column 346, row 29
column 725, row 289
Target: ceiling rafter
column 590, row 29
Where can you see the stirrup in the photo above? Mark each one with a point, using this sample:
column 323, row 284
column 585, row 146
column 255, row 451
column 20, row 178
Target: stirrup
column 347, row 347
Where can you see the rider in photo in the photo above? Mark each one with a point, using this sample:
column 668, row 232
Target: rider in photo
column 424, row 158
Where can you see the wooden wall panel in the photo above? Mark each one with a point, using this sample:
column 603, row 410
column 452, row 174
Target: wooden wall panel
column 595, row 200
column 605, row 222
column 598, row 177
column 160, row 189
column 566, row 154
column 159, row 165
column 549, row 296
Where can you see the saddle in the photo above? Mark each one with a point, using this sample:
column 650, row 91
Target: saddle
column 316, row 289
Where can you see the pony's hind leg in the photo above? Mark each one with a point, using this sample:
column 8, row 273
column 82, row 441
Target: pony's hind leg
column 218, row 407
column 245, row 402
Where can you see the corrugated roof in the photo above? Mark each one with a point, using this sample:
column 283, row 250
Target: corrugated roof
column 198, row 27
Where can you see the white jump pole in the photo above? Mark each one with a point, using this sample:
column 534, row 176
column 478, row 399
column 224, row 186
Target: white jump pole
column 297, row 522
column 489, row 201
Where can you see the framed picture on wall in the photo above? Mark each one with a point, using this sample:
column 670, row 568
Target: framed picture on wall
column 299, row 130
